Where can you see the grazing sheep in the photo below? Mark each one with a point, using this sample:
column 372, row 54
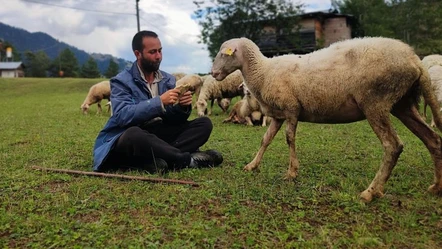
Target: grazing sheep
column 178, row 76
column 96, row 93
column 430, row 61
column 211, row 90
column 352, row 80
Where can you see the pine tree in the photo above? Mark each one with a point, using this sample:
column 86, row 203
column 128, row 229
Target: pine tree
column 36, row 64
column 90, row 69
column 112, row 69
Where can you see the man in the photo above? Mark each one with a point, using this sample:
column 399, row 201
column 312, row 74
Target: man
column 146, row 129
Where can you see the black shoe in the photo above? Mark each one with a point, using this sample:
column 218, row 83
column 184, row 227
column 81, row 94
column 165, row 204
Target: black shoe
column 200, row 160
column 157, row 165
column 216, row 156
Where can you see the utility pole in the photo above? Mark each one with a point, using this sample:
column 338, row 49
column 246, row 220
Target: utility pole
column 138, row 15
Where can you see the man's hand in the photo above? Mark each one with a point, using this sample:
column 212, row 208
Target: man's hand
column 186, row 98
column 170, row 97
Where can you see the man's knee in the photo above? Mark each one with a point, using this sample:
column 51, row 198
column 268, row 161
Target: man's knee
column 130, row 135
column 205, row 123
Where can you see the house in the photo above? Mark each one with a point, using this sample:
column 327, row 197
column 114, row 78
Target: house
column 11, row 69
column 317, row 30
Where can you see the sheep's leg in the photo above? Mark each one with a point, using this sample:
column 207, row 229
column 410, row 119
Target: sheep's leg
column 264, row 121
column 292, row 172
column 381, row 125
column 248, row 120
column 99, row 110
column 209, row 111
column 415, row 123
column 265, row 142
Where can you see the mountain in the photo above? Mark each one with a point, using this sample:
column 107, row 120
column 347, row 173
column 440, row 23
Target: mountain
column 23, row 40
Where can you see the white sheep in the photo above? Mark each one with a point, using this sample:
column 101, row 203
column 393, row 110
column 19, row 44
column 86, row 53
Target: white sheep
column 211, row 90
column 96, row 93
column 352, row 80
column 430, row 61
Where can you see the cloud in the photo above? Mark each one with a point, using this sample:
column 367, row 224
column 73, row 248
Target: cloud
column 107, row 26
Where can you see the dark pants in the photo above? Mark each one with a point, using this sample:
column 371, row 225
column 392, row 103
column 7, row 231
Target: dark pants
column 172, row 142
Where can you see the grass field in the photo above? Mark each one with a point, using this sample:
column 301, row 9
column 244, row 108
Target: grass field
column 41, row 124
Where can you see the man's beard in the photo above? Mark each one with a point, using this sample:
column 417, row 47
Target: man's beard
column 149, row 66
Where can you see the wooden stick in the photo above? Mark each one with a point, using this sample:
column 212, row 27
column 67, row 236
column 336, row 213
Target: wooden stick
column 140, row 178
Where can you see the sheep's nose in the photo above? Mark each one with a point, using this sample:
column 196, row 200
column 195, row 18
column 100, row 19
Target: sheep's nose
column 214, row 74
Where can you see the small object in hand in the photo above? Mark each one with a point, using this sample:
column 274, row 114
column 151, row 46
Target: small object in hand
column 183, row 88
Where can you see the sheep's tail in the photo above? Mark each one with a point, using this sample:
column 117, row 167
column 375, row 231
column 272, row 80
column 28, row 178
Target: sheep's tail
column 430, row 97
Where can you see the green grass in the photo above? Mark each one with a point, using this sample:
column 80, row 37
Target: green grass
column 41, row 124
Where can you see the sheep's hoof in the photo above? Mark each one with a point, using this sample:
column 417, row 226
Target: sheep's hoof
column 435, row 190
column 249, row 167
column 368, row 194
column 290, row 175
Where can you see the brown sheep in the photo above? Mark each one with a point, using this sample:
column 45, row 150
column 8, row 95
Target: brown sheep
column 352, row 80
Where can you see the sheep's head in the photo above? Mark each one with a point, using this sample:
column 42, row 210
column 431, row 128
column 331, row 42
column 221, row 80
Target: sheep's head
column 84, row 108
column 201, row 106
column 227, row 60
column 224, row 104
column 245, row 89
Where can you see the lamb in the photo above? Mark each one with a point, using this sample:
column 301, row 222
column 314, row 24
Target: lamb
column 212, row 90
column 430, row 61
column 96, row 93
column 352, row 80
column 247, row 110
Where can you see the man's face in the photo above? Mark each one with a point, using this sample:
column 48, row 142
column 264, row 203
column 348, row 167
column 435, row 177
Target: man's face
column 150, row 58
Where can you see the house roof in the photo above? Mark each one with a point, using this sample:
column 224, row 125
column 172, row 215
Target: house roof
column 10, row 65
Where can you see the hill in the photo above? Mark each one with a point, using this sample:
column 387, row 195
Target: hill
column 23, row 40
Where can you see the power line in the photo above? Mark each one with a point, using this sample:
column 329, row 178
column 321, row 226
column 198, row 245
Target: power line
column 76, row 8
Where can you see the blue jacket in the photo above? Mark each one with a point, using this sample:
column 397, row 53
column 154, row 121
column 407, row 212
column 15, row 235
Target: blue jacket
column 133, row 105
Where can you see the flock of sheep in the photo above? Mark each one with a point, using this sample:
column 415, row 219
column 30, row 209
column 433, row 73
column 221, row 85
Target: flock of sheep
column 207, row 90
column 352, row 80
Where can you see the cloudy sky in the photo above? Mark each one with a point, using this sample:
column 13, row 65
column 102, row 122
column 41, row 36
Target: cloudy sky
column 107, row 26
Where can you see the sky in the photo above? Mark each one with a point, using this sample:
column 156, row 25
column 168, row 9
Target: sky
column 108, row 26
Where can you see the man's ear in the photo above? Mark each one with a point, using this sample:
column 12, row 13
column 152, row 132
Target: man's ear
column 137, row 54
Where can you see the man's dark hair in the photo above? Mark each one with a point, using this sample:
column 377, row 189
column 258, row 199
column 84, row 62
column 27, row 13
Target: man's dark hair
column 137, row 41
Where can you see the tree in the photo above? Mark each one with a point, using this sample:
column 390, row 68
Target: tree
column 225, row 19
column 112, row 69
column 37, row 64
column 65, row 62
column 90, row 69
column 416, row 22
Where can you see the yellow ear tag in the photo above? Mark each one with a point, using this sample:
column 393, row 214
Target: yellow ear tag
column 229, row 51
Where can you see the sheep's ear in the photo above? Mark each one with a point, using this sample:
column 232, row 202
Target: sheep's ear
column 241, row 86
column 228, row 51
